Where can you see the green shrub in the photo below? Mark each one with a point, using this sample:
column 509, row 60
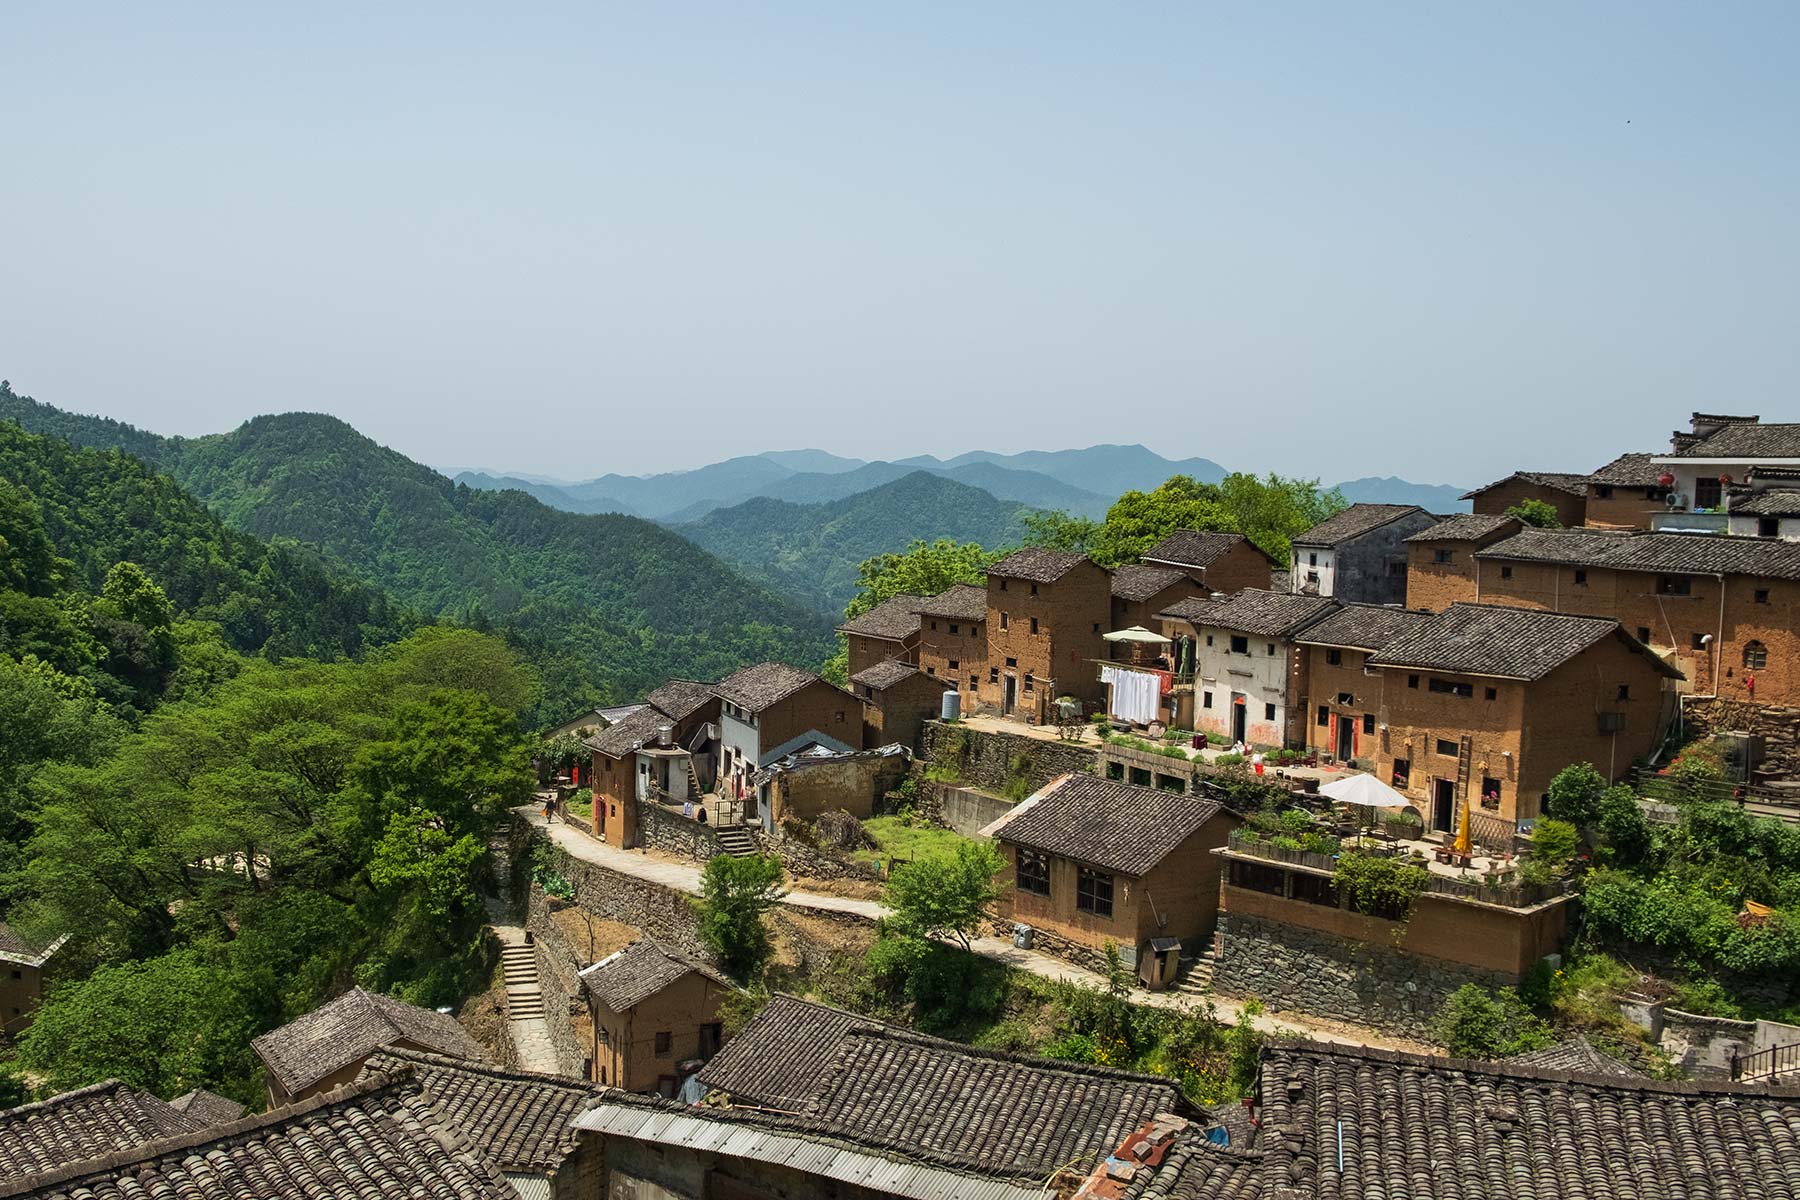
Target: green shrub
column 734, row 895
column 1574, row 794
column 1380, row 887
column 1475, row 1023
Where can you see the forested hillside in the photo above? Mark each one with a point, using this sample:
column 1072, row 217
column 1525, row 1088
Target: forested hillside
column 812, row 551
column 605, row 607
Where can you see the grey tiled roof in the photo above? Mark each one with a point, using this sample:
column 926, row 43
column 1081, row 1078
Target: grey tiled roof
column 1353, row 522
column 1748, row 441
column 1017, row 1114
column 341, row 1031
column 376, row 1141
column 16, row 947
column 755, row 688
column 1465, row 527
column 1574, row 1054
column 896, row 619
column 1113, row 826
column 1776, row 502
column 89, row 1122
column 1253, row 611
column 1504, row 642
column 1629, row 470
column 1196, row 1169
column 1362, row 626
column 1192, row 547
column 959, row 602
column 518, row 1119
column 681, row 698
column 1663, row 553
column 1038, row 564
column 625, row 736
column 884, row 674
column 1561, row 481
column 1438, row 1129
column 207, row 1108
column 627, row 978
column 776, row 1060
column 1141, row 581
column 1009, row 1112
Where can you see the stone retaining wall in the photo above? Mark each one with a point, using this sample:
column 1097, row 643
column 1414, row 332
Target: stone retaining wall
column 557, row 967
column 1048, row 941
column 1779, row 727
column 984, row 759
column 1308, row 971
column 802, row 859
column 667, row 830
column 663, row 913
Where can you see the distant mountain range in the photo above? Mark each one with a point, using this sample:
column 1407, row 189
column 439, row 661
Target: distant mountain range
column 810, row 552
column 1083, row 482
column 605, row 607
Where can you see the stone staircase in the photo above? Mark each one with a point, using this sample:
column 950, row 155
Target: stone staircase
column 524, row 998
column 736, row 841
column 1196, row 977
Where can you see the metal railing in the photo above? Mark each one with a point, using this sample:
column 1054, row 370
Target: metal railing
column 1503, row 889
column 1765, row 1064
column 1654, row 785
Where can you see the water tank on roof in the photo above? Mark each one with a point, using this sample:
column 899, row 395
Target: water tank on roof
column 952, row 709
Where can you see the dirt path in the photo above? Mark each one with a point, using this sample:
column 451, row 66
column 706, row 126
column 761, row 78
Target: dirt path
column 685, row 877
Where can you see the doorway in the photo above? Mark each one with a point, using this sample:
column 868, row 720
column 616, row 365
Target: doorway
column 1011, row 696
column 1346, row 739
column 1240, row 720
column 1443, row 805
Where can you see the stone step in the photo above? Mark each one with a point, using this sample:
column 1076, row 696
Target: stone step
column 736, row 841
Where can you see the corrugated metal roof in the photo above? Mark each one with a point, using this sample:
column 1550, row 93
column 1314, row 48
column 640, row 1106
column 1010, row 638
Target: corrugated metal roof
column 529, row 1186
column 920, row 1181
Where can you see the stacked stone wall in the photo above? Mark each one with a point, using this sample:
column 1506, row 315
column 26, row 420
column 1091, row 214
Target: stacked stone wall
column 558, row 979
column 984, row 758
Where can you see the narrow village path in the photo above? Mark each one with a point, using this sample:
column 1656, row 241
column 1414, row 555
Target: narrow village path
column 685, row 877
column 530, row 1034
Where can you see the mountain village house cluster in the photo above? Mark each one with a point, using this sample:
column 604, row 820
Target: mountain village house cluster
column 1460, row 661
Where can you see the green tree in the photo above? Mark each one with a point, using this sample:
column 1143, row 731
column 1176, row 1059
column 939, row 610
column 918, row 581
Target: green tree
column 1475, row 1023
column 1554, row 843
column 923, row 569
column 1540, row 514
column 1269, row 510
column 937, row 897
column 137, row 597
column 1574, row 794
column 1061, row 531
column 735, row 893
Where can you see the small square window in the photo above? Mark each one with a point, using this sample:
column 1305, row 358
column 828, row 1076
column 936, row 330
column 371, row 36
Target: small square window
column 1240, row 645
column 1643, row 634
column 1094, row 892
column 953, row 628
column 1334, row 658
column 1012, row 662
column 1624, row 691
column 1491, row 693
column 1506, row 572
column 1368, row 722
column 1762, row 595
column 665, row 1043
column 1446, row 747
column 1034, row 625
column 1442, row 556
column 1412, row 681
column 1699, row 641
column 1768, row 527
column 1581, row 579
column 1271, row 649
column 1675, row 585
column 1324, row 717
column 1096, row 627
column 1268, row 712
column 931, row 670
column 954, row 664
column 1205, row 699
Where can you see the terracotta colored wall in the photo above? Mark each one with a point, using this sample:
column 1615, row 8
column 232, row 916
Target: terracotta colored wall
column 866, row 651
column 1126, row 613
column 629, row 1056
column 1072, row 615
column 1242, row 566
column 1432, row 586
column 1571, row 511
column 1322, row 684
column 967, row 648
column 1483, row 936
column 21, row 988
column 818, row 706
column 1626, row 508
column 1058, row 913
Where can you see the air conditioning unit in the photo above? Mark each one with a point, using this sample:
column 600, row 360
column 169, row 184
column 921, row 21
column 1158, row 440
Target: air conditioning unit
column 1677, row 501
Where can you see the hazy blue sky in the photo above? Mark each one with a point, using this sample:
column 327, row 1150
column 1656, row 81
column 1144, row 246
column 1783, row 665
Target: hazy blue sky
column 1440, row 240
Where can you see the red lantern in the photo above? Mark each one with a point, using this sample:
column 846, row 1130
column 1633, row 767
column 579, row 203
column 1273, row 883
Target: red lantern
column 1665, row 480
column 1724, row 479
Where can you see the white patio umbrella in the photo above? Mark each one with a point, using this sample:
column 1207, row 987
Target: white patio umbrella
column 1364, row 791
column 1137, row 633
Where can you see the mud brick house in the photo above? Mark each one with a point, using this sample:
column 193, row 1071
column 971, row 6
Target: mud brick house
column 1767, row 506
column 890, row 630
column 23, row 963
column 1090, row 861
column 327, row 1047
column 897, row 700
column 1724, row 611
column 806, row 785
column 771, row 710
column 665, row 750
column 1626, row 493
column 655, row 1017
column 1244, row 662
column 1017, row 1114
column 1340, row 692
column 1358, row 555
column 953, row 642
column 520, row 1121
column 1219, row 562
column 1566, row 493
column 1440, row 559
column 1139, row 592
column 1046, row 629
column 1482, row 705
column 1336, row 1121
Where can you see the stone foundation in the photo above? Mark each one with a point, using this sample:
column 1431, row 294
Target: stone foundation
column 1778, row 727
column 985, row 759
column 557, row 967
column 1305, row 971
column 1056, row 945
column 666, row 830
